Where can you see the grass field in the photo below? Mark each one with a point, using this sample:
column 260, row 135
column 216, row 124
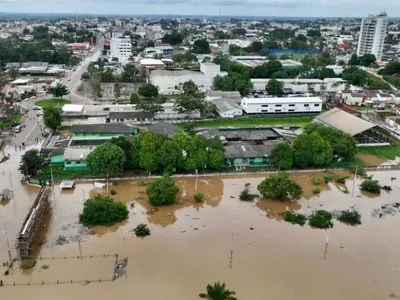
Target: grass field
column 15, row 118
column 60, row 174
column 51, row 102
column 250, row 121
column 385, row 152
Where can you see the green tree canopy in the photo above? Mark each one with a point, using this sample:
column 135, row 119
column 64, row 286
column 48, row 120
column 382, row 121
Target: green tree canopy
column 279, row 186
column 274, row 87
column 59, row 90
column 148, row 90
column 135, row 98
column 31, row 163
column 218, row 291
column 173, row 38
column 201, row 46
column 102, row 210
column 106, row 159
column 320, row 149
column 129, row 73
column 52, row 117
column 162, row 191
column 281, row 156
column 189, row 88
column 302, row 151
column 126, row 146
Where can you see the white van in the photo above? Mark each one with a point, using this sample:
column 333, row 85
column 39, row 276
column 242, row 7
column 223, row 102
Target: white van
column 17, row 129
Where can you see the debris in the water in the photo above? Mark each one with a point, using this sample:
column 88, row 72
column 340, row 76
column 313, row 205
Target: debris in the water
column 251, row 228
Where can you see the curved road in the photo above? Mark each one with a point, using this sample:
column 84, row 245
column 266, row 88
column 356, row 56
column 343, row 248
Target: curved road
column 32, row 123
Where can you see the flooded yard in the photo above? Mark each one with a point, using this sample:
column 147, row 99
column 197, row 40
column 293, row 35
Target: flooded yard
column 190, row 244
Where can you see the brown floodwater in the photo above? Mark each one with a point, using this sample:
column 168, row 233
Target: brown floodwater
column 190, row 245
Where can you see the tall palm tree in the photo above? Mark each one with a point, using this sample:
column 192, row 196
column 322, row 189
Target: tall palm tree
column 218, row 292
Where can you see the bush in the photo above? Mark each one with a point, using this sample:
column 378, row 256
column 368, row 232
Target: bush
column 341, row 178
column 245, row 195
column 113, row 192
column 103, row 210
column 316, row 190
column 321, row 219
column 351, row 217
column 142, row 230
column 280, row 186
column 371, row 186
column 328, row 178
column 386, row 188
column 198, row 197
column 316, row 180
column 162, row 191
column 28, row 264
column 360, row 170
column 294, row 218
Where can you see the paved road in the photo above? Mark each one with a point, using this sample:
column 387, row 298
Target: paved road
column 72, row 79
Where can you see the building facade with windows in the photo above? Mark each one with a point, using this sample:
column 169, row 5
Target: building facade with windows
column 372, row 35
column 288, row 105
column 121, row 48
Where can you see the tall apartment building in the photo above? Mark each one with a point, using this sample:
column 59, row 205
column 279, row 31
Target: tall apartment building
column 121, row 48
column 372, row 35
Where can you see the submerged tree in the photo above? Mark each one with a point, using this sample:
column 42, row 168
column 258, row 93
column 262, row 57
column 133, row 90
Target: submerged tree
column 31, row 163
column 218, row 291
column 280, row 186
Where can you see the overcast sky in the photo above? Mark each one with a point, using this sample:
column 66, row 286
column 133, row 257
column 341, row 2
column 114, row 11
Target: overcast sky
column 290, row 8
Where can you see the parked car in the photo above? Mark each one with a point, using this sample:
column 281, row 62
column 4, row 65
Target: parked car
column 17, row 129
column 36, row 108
column 39, row 112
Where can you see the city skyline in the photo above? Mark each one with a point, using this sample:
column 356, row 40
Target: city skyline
column 267, row 8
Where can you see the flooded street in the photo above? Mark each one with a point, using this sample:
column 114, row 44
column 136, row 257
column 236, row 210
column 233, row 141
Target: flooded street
column 190, row 244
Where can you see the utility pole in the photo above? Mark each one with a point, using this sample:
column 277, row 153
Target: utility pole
column 107, row 183
column 354, row 181
column 83, row 196
column 197, row 177
column 8, row 243
column 11, row 186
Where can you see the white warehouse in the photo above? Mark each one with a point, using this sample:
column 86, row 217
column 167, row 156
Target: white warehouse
column 170, row 81
column 289, row 105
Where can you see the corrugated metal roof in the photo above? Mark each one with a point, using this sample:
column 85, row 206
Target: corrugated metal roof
column 344, row 121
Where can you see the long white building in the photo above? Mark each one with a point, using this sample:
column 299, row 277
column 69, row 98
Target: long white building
column 372, row 35
column 290, row 105
column 121, row 48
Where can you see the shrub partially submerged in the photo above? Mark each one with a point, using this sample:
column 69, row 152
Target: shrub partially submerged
column 351, row 217
column 294, row 218
column 316, row 191
column 198, row 197
column 28, row 264
column 321, row 219
column 103, row 210
column 245, row 195
column 371, row 186
column 142, row 230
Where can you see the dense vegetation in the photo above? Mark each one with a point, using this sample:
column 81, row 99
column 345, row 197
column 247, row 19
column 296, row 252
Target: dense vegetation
column 245, row 195
column 142, row 230
column 321, row 219
column 107, row 159
column 218, row 291
column 280, row 186
column 31, row 163
column 351, row 217
column 371, row 186
column 102, row 210
column 154, row 152
column 162, row 191
column 294, row 218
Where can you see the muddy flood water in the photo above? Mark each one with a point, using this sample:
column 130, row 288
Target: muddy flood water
column 190, row 245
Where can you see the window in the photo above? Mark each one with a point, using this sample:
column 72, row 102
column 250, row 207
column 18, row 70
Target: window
column 264, row 105
column 292, row 104
column 278, row 105
column 306, row 105
column 78, row 162
column 317, row 104
column 290, row 110
column 278, row 110
column 68, row 162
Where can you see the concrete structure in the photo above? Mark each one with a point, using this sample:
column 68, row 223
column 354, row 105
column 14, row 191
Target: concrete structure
column 171, row 81
column 372, row 35
column 33, row 223
column 254, row 61
column 289, row 105
column 148, row 64
column 121, row 48
column 227, row 103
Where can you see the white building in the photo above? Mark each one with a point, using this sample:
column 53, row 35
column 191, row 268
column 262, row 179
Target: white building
column 171, row 81
column 372, row 35
column 291, row 105
column 121, row 48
